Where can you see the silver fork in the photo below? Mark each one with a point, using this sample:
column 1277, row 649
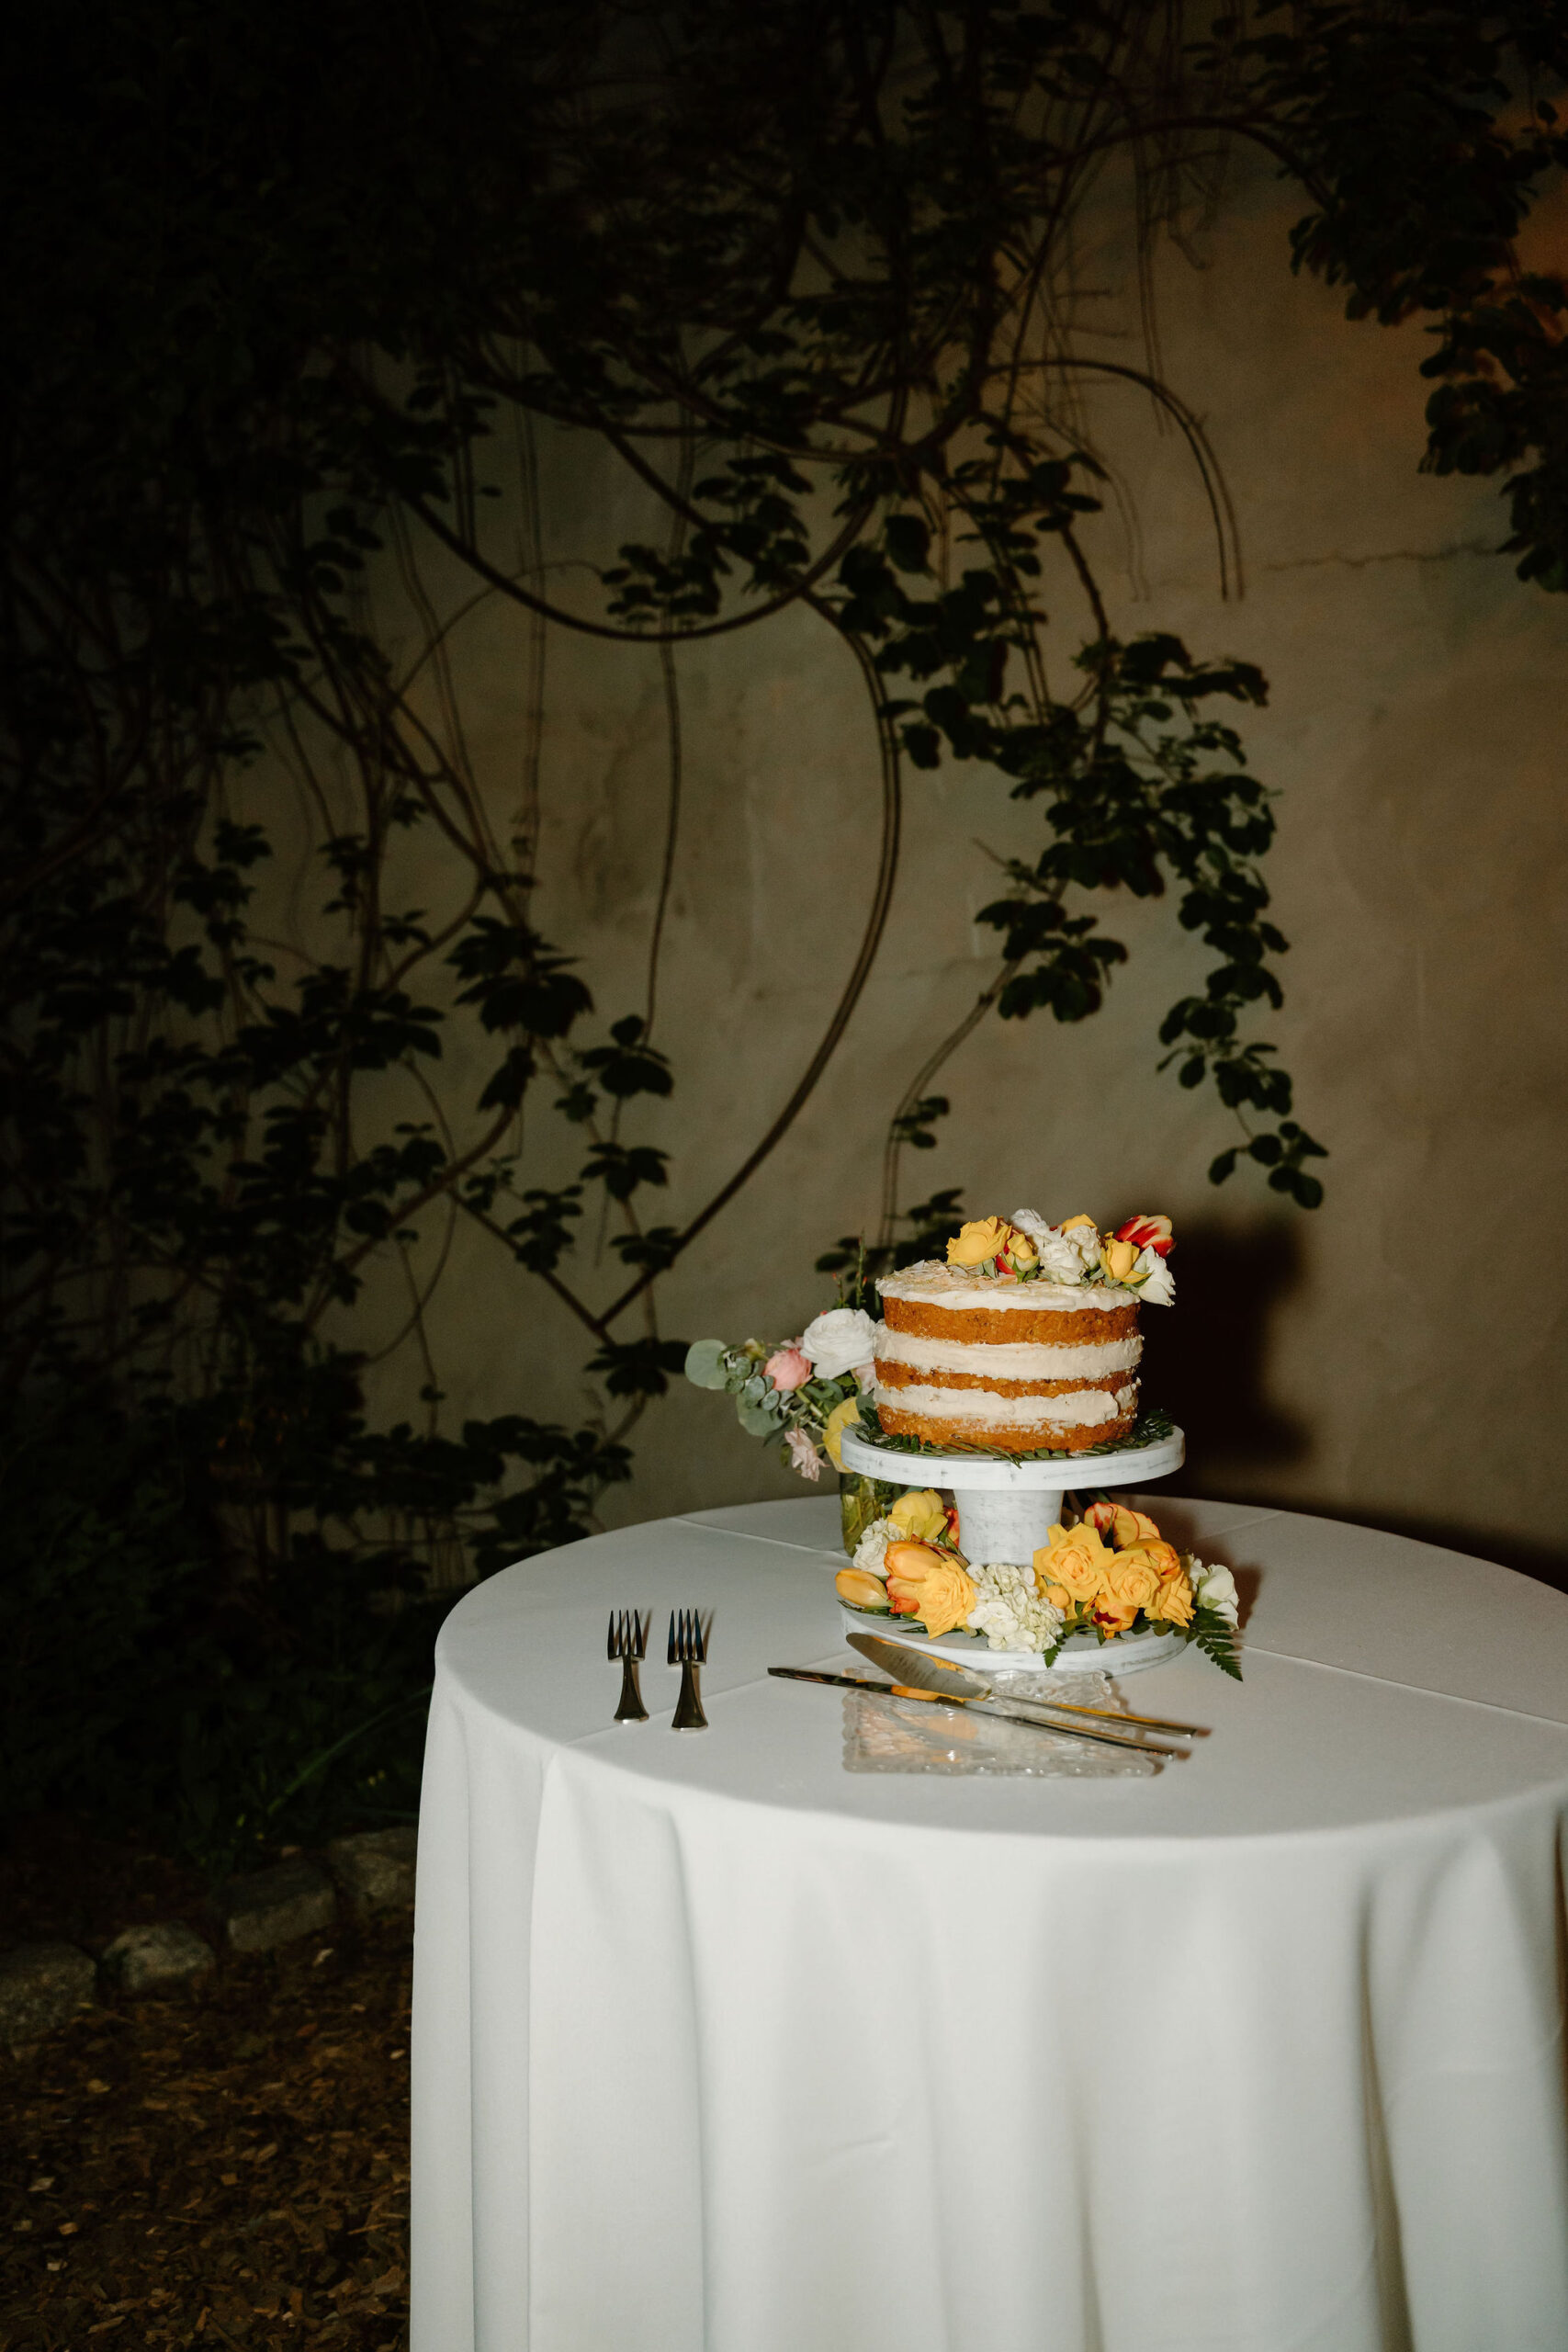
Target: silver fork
column 688, row 1650
column 628, row 1642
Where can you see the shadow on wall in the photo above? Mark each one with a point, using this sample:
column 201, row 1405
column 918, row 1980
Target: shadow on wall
column 1207, row 1365
column 1206, row 1362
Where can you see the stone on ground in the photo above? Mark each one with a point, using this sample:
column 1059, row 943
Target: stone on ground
column 375, row 1870
column 273, row 1906
column 40, row 1986
column 157, row 1959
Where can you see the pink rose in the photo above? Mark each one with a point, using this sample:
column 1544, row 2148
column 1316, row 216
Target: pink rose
column 787, row 1367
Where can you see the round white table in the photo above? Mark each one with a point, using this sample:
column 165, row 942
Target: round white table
column 720, row 2046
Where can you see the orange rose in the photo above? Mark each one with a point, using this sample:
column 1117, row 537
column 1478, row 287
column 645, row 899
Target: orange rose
column 1114, row 1616
column 1120, row 1524
column 1172, row 1604
column 1130, row 1582
column 1074, row 1559
column 1056, row 1594
column 860, row 1588
column 1163, row 1558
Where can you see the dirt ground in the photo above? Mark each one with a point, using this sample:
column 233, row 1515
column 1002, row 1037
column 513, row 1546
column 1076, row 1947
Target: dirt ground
column 229, row 2167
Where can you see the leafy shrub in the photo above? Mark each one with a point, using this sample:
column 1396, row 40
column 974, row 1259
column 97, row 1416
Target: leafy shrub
column 141, row 1681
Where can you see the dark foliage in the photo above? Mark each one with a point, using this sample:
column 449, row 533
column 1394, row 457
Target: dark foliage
column 284, row 289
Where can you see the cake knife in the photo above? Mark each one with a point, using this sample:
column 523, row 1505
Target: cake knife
column 1009, row 1711
column 919, row 1666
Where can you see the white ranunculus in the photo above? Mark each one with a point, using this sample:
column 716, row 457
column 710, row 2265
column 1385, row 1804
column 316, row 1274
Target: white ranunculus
column 1216, row 1589
column 1160, row 1288
column 1084, row 1243
column 1063, row 1257
column 871, row 1552
column 844, row 1339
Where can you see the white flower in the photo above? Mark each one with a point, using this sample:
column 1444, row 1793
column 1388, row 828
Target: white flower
column 1009, row 1611
column 1215, row 1588
column 803, row 1455
column 871, row 1549
column 1063, row 1257
column 1159, row 1288
column 843, row 1339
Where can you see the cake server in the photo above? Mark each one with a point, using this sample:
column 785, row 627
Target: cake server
column 911, row 1665
column 1009, row 1711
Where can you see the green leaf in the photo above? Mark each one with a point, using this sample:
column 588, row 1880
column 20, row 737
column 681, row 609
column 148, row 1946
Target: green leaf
column 1217, row 1638
column 704, row 1366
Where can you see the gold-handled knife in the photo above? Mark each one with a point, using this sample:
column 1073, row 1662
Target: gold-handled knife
column 904, row 1659
column 907, row 1663
column 1008, row 1710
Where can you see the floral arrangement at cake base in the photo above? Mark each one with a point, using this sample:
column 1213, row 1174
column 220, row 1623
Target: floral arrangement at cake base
column 1109, row 1574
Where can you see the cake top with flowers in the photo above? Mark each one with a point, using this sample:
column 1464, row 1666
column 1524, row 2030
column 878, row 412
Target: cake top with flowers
column 1023, row 1261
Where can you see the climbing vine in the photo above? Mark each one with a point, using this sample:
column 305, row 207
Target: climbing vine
column 282, row 348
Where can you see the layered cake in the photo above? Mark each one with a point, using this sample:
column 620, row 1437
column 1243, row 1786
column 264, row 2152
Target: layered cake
column 1027, row 1338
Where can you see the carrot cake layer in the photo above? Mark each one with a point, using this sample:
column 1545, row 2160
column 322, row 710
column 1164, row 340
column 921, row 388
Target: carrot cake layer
column 1005, row 1437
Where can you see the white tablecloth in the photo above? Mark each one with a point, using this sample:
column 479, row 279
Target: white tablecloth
column 721, row 2048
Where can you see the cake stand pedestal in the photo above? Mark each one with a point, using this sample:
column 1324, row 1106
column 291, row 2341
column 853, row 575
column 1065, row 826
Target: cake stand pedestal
column 1006, row 1510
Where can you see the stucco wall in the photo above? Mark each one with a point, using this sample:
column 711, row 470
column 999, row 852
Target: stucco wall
column 1398, row 1356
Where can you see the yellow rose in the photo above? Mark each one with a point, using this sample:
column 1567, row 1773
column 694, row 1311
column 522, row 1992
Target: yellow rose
column 1072, row 1224
column 978, row 1241
column 940, row 1594
column 1163, row 1558
column 1118, row 1258
column 922, row 1513
column 843, row 1417
column 1130, row 1582
column 1172, row 1604
column 1056, row 1594
column 1074, row 1559
column 1022, row 1252
column 861, row 1590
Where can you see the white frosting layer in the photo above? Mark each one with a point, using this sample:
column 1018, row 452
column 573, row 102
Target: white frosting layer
column 1013, row 1360
column 1082, row 1409
column 934, row 1284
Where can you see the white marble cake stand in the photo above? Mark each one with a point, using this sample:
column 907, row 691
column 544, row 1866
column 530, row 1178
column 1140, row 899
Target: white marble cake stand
column 1006, row 1511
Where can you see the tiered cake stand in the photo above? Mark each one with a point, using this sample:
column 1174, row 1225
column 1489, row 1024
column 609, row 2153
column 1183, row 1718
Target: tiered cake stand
column 1006, row 1511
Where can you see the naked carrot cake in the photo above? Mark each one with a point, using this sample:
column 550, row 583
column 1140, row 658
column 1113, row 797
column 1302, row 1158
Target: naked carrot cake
column 1027, row 1337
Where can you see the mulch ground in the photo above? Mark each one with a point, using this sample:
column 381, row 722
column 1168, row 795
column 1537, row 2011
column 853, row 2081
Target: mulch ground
column 230, row 2167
